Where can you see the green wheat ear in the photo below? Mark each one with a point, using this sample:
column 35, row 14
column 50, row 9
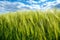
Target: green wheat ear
column 30, row 25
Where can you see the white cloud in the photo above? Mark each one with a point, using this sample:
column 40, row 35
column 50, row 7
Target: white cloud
column 48, row 5
column 6, row 5
column 58, row 1
column 9, row 6
column 18, row 5
column 35, row 7
column 32, row 2
column 43, row 0
column 51, row 3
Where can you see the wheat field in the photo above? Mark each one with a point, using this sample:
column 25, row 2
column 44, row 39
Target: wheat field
column 30, row 25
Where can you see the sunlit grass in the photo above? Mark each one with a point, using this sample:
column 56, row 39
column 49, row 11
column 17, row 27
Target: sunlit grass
column 30, row 25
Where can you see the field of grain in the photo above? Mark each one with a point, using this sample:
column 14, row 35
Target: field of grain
column 31, row 25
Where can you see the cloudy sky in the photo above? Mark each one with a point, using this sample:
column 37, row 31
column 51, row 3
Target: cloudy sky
column 14, row 5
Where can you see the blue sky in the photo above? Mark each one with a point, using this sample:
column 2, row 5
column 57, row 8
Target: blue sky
column 14, row 5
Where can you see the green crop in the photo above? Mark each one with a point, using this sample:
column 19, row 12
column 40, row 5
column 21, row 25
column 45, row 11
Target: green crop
column 30, row 25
